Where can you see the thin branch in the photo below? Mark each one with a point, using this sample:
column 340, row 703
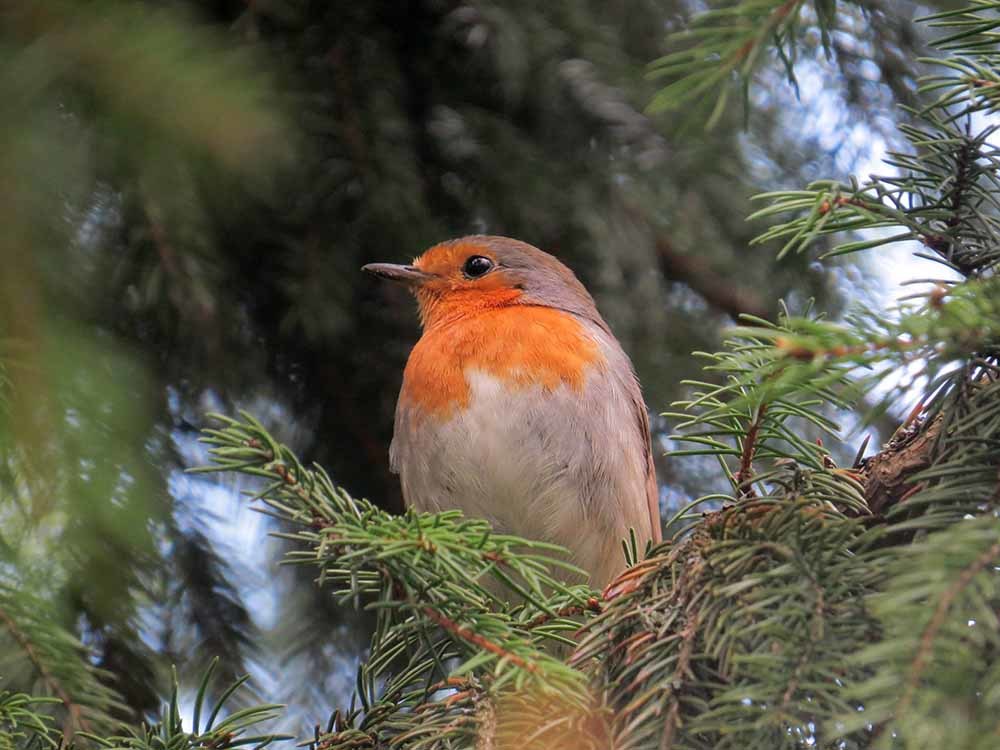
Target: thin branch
column 778, row 15
column 937, row 622
column 77, row 720
column 697, row 275
column 717, row 291
column 593, row 605
column 182, row 286
column 744, row 476
column 476, row 640
column 683, row 671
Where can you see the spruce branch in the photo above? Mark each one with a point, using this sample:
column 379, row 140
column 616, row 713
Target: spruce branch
column 945, row 193
column 51, row 682
column 753, row 611
column 40, row 648
column 941, row 467
column 933, row 629
column 21, row 725
column 431, row 579
column 937, row 482
column 723, row 43
column 764, row 401
column 223, row 729
column 941, row 637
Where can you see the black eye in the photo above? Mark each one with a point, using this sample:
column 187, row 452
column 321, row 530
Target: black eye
column 476, row 266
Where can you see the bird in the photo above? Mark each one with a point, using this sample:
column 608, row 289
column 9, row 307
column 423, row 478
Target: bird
column 519, row 406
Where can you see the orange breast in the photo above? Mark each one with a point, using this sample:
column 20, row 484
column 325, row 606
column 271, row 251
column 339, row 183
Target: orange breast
column 520, row 345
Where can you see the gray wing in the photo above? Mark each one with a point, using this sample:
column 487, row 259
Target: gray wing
column 652, row 490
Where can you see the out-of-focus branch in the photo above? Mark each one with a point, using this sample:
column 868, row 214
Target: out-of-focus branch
column 75, row 720
column 719, row 292
column 610, row 106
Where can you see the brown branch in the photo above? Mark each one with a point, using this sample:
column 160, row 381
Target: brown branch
column 744, row 476
column 458, row 630
column 717, row 291
column 697, row 275
column 797, row 351
column 477, row 640
column 181, row 286
column 77, row 720
column 937, row 621
column 773, row 21
column 887, row 476
column 593, row 605
column 683, row 671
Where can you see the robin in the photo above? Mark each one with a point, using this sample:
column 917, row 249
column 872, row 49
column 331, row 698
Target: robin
column 519, row 406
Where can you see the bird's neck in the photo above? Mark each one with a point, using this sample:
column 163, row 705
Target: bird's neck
column 439, row 310
column 519, row 345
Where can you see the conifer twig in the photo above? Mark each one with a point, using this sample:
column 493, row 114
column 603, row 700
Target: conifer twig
column 744, row 475
column 477, row 640
column 77, row 720
column 929, row 635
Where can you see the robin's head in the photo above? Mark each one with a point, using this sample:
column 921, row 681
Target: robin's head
column 466, row 276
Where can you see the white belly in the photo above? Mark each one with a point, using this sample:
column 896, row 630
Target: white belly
column 556, row 466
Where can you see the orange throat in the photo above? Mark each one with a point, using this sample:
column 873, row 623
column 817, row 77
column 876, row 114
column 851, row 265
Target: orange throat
column 520, row 345
column 440, row 308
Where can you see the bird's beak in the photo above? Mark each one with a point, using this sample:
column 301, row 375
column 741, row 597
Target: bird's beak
column 409, row 275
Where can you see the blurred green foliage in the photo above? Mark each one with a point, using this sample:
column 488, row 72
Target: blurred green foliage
column 99, row 99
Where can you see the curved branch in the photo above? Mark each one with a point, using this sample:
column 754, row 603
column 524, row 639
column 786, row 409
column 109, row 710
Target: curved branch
column 717, row 291
column 989, row 557
column 77, row 720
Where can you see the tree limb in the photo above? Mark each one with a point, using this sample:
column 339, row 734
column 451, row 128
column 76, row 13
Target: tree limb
column 717, row 291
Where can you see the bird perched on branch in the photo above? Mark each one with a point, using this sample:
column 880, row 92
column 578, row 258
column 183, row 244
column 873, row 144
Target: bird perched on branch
column 519, row 406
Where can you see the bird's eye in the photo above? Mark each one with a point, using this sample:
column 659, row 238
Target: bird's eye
column 476, row 266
